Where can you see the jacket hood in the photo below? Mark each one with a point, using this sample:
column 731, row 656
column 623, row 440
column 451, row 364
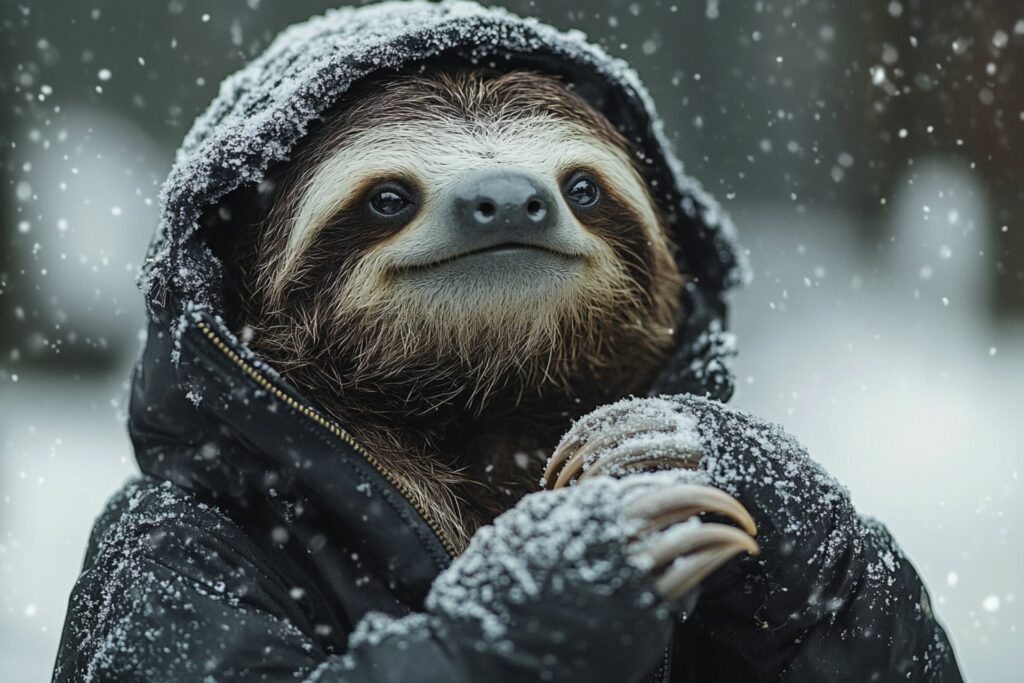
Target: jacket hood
column 262, row 112
column 197, row 383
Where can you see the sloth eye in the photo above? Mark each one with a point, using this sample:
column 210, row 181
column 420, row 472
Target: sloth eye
column 390, row 200
column 582, row 190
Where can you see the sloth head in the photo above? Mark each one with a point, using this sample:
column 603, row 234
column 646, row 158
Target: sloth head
column 463, row 245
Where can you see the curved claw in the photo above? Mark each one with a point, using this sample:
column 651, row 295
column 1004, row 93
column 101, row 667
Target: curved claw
column 564, row 451
column 633, row 457
column 573, row 441
column 587, row 450
column 691, row 554
column 687, row 573
column 685, row 541
column 678, row 502
column 571, row 456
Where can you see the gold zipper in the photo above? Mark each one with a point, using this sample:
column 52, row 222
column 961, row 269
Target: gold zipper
column 333, row 428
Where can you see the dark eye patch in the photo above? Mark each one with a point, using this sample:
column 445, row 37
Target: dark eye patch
column 370, row 217
column 613, row 218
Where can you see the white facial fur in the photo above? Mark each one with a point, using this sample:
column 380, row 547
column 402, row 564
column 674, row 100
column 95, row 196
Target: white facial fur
column 537, row 320
column 440, row 152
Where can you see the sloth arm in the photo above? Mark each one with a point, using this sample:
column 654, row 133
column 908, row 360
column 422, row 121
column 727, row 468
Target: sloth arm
column 173, row 590
column 198, row 606
column 830, row 597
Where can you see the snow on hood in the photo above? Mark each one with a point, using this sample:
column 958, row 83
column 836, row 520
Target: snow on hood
column 262, row 112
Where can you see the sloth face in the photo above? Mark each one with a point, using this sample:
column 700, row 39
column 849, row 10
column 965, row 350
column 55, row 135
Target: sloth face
column 469, row 233
column 473, row 219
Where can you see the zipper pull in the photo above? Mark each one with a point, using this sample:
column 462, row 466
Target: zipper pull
column 161, row 297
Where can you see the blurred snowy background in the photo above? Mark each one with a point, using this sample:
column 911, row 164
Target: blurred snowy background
column 866, row 150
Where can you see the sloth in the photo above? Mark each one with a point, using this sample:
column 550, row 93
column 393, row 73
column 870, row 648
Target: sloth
column 454, row 286
column 457, row 265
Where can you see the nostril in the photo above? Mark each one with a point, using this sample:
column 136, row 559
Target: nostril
column 485, row 212
column 536, row 209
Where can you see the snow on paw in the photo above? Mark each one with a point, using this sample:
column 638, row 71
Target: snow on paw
column 632, row 435
column 635, row 439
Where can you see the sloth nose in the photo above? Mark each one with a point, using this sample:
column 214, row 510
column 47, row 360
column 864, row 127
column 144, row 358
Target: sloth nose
column 511, row 203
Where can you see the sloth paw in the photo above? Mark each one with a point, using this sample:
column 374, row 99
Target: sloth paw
column 637, row 435
column 674, row 545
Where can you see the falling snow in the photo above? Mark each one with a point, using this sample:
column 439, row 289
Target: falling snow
column 865, row 155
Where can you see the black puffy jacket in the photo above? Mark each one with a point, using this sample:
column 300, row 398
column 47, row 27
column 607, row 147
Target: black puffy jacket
column 263, row 543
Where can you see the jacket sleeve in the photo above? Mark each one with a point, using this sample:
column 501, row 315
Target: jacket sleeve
column 168, row 594
column 831, row 597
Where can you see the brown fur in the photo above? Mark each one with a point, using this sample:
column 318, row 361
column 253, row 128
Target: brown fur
column 464, row 422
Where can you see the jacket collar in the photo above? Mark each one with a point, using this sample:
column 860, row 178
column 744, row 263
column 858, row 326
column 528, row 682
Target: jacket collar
column 224, row 425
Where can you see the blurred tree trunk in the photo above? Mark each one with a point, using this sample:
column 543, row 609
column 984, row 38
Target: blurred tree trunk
column 982, row 102
column 8, row 175
column 943, row 79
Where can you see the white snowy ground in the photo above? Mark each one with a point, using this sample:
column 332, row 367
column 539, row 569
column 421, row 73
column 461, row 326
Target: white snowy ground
column 63, row 450
column 909, row 401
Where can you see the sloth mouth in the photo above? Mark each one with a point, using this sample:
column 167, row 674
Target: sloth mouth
column 503, row 249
